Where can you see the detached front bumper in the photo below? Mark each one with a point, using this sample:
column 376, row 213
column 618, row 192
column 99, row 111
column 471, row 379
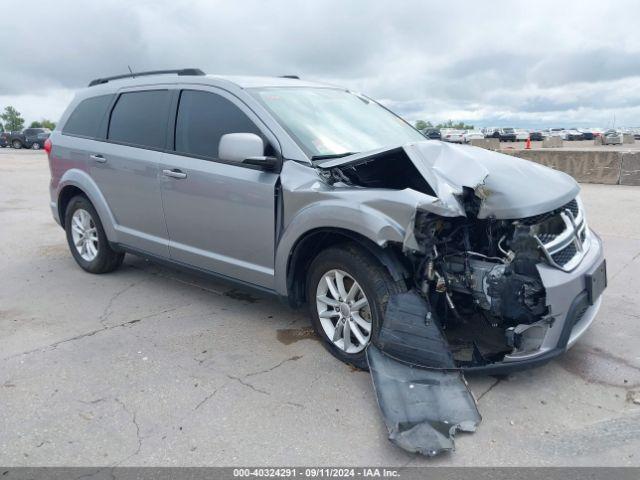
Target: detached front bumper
column 571, row 313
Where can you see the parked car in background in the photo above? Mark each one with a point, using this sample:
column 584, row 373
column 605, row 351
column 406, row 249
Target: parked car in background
column 507, row 134
column 522, row 135
column 29, row 138
column 491, row 132
column 472, row 135
column 612, row 137
column 587, row 134
column 536, row 136
column 431, row 133
column 572, row 134
column 451, row 135
column 4, row 139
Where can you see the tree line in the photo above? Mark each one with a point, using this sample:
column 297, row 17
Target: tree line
column 422, row 124
column 12, row 121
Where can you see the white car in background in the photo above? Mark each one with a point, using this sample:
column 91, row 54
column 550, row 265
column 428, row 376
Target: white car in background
column 521, row 135
column 472, row 135
column 452, row 136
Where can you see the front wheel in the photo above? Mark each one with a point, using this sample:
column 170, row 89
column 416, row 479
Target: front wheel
column 17, row 144
column 86, row 238
column 348, row 290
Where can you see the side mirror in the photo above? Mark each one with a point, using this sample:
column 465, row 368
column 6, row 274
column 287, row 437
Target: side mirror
column 236, row 147
column 247, row 148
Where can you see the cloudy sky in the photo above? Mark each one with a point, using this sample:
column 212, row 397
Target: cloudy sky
column 530, row 63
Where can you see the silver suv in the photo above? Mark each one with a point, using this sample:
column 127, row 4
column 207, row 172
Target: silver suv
column 324, row 197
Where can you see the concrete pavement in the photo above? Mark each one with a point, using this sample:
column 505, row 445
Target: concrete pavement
column 150, row 366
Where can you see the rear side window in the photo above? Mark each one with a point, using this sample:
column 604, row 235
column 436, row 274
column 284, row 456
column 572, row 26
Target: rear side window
column 85, row 120
column 203, row 118
column 140, row 118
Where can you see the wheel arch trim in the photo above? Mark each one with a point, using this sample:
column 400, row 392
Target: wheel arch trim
column 373, row 232
column 82, row 181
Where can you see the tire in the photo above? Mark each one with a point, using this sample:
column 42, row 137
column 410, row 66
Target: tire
column 376, row 285
column 35, row 146
column 17, row 144
column 105, row 259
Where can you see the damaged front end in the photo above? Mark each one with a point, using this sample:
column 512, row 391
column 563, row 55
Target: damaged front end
column 505, row 274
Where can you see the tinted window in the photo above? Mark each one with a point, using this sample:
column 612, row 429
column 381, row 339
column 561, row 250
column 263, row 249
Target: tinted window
column 203, row 118
column 140, row 118
column 86, row 118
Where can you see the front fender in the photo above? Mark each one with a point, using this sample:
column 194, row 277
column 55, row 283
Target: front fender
column 333, row 214
column 80, row 179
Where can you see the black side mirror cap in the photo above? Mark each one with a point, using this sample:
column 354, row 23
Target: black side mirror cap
column 266, row 163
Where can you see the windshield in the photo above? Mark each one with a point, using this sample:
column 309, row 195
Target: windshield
column 328, row 122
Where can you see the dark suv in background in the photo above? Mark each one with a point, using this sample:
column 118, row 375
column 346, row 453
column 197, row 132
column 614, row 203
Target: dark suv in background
column 29, row 138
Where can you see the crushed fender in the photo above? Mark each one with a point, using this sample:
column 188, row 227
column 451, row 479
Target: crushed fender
column 424, row 400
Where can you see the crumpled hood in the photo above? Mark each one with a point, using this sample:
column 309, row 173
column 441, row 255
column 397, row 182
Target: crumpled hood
column 509, row 187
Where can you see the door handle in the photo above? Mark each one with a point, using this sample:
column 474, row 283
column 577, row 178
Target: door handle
column 175, row 173
column 97, row 158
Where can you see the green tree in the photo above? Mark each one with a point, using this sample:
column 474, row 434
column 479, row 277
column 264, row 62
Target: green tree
column 1, row 128
column 48, row 124
column 35, row 124
column 12, row 119
column 421, row 124
column 455, row 126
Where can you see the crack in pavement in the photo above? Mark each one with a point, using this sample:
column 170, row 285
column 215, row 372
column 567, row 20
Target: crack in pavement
column 106, row 313
column 267, row 370
column 625, row 266
column 54, row 345
column 247, row 384
column 135, row 422
column 206, row 399
column 498, row 380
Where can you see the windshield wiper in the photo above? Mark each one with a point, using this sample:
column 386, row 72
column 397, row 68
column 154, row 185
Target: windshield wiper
column 332, row 155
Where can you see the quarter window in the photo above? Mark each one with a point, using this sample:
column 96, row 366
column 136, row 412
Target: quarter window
column 87, row 116
column 140, row 118
column 203, row 118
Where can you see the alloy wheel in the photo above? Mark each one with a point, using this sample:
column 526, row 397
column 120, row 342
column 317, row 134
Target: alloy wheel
column 84, row 234
column 344, row 311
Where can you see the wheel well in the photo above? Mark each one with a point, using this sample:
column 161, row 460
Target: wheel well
column 315, row 241
column 65, row 196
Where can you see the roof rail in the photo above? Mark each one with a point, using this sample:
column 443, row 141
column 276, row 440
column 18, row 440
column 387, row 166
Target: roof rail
column 182, row 71
column 295, row 77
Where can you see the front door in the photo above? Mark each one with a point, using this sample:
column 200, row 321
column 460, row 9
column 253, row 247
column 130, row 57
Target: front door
column 220, row 216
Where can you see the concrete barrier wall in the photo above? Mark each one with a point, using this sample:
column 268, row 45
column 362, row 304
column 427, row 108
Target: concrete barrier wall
column 608, row 167
column 551, row 142
column 488, row 143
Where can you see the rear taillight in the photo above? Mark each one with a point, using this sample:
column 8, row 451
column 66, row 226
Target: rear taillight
column 47, row 146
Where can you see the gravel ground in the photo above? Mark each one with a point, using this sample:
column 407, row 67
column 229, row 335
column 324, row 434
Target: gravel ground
column 150, row 366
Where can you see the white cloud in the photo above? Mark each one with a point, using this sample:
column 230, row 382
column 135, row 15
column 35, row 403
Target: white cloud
column 547, row 62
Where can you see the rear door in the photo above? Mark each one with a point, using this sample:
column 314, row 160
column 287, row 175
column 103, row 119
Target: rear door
column 220, row 215
column 126, row 167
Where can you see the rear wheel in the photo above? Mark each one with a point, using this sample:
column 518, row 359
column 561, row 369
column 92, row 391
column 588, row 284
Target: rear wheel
column 348, row 290
column 35, row 146
column 87, row 240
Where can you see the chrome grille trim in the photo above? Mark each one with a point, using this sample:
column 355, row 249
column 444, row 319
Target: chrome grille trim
column 567, row 249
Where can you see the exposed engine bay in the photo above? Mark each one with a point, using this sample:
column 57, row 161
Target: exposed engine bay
column 479, row 276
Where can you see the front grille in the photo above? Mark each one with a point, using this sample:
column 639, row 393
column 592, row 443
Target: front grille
column 572, row 206
column 565, row 255
column 567, row 242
